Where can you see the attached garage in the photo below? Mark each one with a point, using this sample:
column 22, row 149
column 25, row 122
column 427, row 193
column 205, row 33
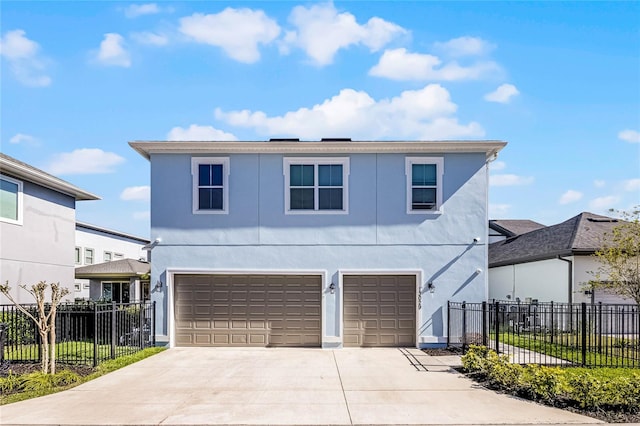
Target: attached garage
column 379, row 310
column 247, row 310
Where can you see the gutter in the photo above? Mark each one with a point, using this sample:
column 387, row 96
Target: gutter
column 570, row 277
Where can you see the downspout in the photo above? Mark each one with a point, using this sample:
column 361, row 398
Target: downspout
column 570, row 277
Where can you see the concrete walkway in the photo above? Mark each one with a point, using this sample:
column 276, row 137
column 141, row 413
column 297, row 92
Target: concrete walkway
column 207, row 386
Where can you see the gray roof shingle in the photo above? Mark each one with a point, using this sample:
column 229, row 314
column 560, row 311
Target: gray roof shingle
column 511, row 227
column 581, row 234
column 120, row 268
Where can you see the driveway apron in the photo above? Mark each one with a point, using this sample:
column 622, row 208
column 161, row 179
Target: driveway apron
column 243, row 386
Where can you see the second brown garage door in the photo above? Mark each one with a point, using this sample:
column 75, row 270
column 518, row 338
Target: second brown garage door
column 247, row 310
column 379, row 310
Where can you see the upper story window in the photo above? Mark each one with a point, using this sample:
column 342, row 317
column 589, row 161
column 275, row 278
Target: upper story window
column 424, row 184
column 10, row 200
column 210, row 185
column 107, row 256
column 89, row 255
column 78, row 256
column 118, row 256
column 316, row 185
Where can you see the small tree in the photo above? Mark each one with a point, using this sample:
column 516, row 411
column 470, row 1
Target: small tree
column 46, row 319
column 619, row 258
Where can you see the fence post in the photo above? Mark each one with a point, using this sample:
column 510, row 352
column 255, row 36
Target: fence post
column 600, row 327
column 448, row 323
column 484, row 324
column 113, row 330
column 553, row 331
column 141, row 325
column 583, row 328
column 153, row 322
column 464, row 326
column 95, row 334
column 497, row 325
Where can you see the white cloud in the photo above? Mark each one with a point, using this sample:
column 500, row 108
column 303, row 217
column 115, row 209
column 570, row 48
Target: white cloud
column 629, row 135
column 147, row 37
column 143, row 215
column 604, row 203
column 398, row 64
column 465, row 46
column 237, row 31
column 497, row 165
column 84, row 161
column 199, row 133
column 135, row 10
column 23, row 138
column 498, row 210
column 631, row 185
column 112, row 51
column 570, row 196
column 599, row 183
column 510, row 180
column 321, row 31
column 25, row 61
column 426, row 113
column 502, row 94
column 136, row 193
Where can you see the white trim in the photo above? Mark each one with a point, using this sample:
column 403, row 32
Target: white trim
column 439, row 163
column 418, row 274
column 316, row 161
column 19, row 201
column 195, row 162
column 170, row 274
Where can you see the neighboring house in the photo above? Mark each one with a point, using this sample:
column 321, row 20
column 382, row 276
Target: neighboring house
column 505, row 228
column 95, row 245
column 553, row 263
column 120, row 281
column 37, row 227
column 331, row 243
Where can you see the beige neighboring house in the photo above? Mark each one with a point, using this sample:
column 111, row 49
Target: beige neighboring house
column 37, row 227
column 552, row 263
column 120, row 281
column 96, row 245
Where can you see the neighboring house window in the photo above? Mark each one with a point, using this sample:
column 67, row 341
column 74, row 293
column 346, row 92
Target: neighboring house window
column 146, row 290
column 77, row 286
column 316, row 185
column 88, row 256
column 107, row 256
column 118, row 256
column 85, row 286
column 424, row 184
column 78, row 256
column 10, row 200
column 210, row 185
column 116, row 292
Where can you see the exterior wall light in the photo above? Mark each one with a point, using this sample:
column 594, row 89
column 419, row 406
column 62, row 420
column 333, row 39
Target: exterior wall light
column 332, row 288
column 158, row 285
column 431, row 287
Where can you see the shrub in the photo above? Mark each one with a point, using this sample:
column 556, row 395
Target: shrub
column 10, row 383
column 475, row 360
column 20, row 328
column 541, row 383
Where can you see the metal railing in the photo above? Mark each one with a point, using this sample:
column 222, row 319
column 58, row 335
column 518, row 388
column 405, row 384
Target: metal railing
column 594, row 335
column 86, row 333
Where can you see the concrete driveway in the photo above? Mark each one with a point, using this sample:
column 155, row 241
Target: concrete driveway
column 199, row 386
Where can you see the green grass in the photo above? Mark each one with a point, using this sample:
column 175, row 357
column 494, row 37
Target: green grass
column 37, row 384
column 614, row 353
column 73, row 352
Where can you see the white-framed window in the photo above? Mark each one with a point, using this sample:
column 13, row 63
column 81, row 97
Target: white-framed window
column 89, row 255
column 78, row 256
column 210, row 185
column 107, row 256
column 10, row 200
column 316, row 185
column 114, row 291
column 77, row 286
column 118, row 256
column 424, row 184
column 85, row 286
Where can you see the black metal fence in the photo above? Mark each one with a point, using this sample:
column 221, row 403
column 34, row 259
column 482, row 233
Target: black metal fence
column 86, row 333
column 594, row 335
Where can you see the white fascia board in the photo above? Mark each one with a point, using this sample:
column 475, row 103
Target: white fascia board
column 146, row 148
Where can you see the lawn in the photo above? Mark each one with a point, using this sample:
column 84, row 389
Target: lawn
column 72, row 352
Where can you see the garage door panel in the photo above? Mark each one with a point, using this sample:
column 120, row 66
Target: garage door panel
column 249, row 310
column 379, row 310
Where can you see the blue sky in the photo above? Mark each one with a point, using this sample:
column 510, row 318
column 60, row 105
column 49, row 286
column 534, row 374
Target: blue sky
column 559, row 81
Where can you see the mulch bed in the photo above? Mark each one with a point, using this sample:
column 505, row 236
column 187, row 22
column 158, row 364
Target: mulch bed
column 25, row 368
column 608, row 416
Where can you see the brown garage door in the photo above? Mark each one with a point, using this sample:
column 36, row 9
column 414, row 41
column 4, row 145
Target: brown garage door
column 379, row 310
column 247, row 310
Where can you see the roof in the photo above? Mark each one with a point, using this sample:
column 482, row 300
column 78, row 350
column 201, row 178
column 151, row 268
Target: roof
column 146, row 148
column 15, row 168
column 84, row 225
column 582, row 234
column 511, row 228
column 117, row 268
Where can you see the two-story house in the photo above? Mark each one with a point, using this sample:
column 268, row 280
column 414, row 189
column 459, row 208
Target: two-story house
column 119, row 280
column 37, row 227
column 323, row 243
